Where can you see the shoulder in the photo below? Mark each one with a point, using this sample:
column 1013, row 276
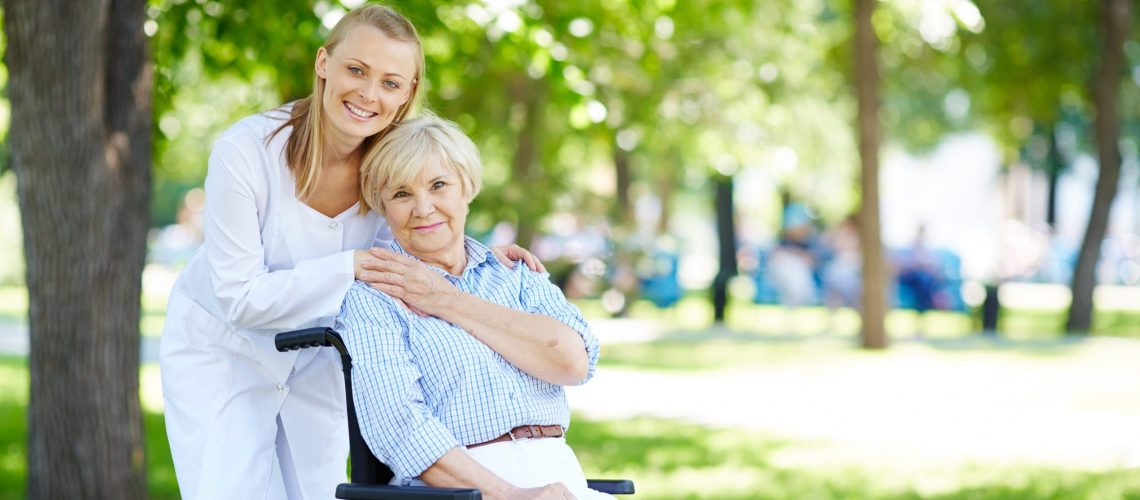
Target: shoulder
column 368, row 300
column 256, row 130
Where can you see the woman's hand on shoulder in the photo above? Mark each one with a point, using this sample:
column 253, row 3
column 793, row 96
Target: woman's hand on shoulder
column 410, row 281
column 508, row 254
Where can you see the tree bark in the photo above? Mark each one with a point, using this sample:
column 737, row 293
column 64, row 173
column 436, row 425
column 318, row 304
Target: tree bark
column 533, row 94
column 80, row 94
column 1115, row 19
column 1054, row 164
column 623, row 177
column 726, row 236
column 867, row 90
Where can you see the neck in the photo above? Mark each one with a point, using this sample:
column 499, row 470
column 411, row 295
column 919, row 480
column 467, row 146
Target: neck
column 341, row 150
column 452, row 260
column 342, row 156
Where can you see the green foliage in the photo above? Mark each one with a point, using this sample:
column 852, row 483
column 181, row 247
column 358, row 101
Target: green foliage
column 680, row 88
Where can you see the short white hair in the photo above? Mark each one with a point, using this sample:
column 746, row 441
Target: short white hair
column 398, row 157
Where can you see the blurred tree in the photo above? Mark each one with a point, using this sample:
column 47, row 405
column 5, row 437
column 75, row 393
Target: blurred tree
column 867, row 89
column 216, row 62
column 81, row 93
column 1115, row 21
column 1021, row 95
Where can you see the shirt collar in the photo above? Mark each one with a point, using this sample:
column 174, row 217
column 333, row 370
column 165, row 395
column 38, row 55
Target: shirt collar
column 477, row 254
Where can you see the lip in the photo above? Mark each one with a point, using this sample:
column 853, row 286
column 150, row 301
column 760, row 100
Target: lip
column 428, row 227
column 356, row 117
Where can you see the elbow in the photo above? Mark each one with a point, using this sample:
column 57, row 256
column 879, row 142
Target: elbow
column 575, row 367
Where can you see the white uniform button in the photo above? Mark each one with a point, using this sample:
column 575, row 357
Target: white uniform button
column 334, row 225
column 280, row 388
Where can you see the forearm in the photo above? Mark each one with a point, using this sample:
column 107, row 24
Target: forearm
column 282, row 299
column 539, row 345
column 456, row 469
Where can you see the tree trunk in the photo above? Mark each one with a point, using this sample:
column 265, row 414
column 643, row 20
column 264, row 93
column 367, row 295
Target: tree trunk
column 80, row 90
column 1115, row 17
column 526, row 170
column 623, row 176
column 867, row 89
column 1053, row 167
column 666, row 185
column 726, row 236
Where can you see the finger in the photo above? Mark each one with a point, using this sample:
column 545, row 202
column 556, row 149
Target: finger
column 382, row 277
column 415, row 311
column 381, row 253
column 373, row 265
column 503, row 257
column 533, row 263
column 396, row 292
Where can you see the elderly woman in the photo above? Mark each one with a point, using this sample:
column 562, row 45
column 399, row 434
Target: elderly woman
column 437, row 399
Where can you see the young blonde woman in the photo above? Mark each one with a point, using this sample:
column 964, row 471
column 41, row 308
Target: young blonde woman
column 285, row 238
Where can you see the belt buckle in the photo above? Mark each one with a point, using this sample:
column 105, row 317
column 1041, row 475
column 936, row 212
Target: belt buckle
column 511, row 433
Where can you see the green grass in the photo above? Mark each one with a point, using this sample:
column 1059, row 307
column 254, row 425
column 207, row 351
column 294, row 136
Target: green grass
column 724, row 349
column 669, row 459
column 13, row 438
column 694, row 313
column 666, row 459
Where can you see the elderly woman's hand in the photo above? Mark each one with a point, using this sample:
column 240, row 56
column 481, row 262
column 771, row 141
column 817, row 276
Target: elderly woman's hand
column 410, row 281
column 553, row 491
column 508, row 254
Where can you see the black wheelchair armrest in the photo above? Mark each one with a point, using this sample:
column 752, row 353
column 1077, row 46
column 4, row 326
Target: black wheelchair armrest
column 611, row 486
column 302, row 339
column 358, row 491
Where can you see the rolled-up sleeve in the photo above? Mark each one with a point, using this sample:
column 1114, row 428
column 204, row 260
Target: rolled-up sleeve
column 538, row 295
column 249, row 294
column 386, row 386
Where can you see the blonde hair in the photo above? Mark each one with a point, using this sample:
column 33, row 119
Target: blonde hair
column 398, row 157
column 304, row 151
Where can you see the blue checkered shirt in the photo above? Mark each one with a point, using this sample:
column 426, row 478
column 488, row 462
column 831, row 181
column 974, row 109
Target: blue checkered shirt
column 423, row 386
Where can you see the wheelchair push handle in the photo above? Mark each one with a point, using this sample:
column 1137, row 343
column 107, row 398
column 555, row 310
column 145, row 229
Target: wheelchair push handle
column 302, row 339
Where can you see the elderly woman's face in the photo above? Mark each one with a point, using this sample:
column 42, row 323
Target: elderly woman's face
column 427, row 216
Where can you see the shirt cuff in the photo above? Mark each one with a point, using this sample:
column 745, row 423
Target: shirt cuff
column 420, row 449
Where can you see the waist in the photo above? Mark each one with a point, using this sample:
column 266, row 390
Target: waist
column 525, row 432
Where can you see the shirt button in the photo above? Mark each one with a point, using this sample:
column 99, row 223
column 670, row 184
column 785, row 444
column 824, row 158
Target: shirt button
column 334, row 225
column 281, row 388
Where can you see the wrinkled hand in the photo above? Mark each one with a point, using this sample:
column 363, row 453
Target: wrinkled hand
column 508, row 254
column 403, row 278
column 555, row 491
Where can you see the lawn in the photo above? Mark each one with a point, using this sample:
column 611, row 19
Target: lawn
column 694, row 313
column 666, row 458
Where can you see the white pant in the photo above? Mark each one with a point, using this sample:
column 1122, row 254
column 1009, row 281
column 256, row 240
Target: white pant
column 237, row 432
column 528, row 463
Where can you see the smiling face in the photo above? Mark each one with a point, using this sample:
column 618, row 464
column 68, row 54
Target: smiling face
column 427, row 214
column 367, row 77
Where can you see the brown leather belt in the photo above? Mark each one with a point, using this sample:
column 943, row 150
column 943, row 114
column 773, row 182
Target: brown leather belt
column 525, row 432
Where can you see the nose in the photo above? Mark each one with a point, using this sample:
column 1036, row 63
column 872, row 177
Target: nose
column 423, row 206
column 369, row 90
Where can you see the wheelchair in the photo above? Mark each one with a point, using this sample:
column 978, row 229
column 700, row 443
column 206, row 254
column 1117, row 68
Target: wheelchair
column 370, row 476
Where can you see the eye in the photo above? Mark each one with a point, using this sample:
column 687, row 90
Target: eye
column 400, row 194
column 356, row 70
column 391, row 84
column 438, row 185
